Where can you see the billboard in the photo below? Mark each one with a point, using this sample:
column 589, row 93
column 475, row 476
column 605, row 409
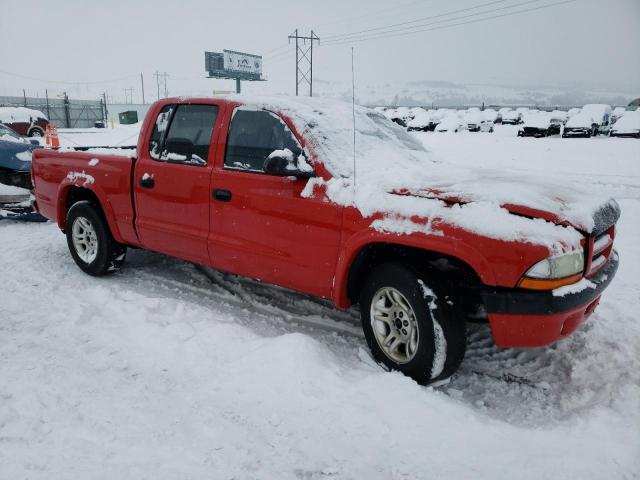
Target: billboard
column 242, row 62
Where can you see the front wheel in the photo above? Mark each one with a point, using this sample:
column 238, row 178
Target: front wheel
column 410, row 325
column 90, row 241
column 36, row 132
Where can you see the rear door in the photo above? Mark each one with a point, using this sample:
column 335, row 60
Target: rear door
column 262, row 227
column 171, row 181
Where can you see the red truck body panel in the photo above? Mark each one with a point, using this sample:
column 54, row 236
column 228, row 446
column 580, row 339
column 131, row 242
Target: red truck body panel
column 268, row 230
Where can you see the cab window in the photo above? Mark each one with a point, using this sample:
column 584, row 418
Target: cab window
column 253, row 136
column 182, row 134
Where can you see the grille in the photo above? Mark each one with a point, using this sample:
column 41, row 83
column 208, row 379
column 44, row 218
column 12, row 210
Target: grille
column 600, row 247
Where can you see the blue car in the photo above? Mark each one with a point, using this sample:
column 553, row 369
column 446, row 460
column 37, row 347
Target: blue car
column 15, row 171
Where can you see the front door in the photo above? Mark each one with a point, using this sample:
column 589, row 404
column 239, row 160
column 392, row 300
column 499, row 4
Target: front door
column 261, row 225
column 171, row 181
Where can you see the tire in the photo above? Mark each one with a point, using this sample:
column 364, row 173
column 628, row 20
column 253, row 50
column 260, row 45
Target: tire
column 98, row 254
column 36, row 132
column 435, row 336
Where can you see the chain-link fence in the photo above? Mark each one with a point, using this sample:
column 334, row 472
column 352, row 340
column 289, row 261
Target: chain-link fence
column 62, row 112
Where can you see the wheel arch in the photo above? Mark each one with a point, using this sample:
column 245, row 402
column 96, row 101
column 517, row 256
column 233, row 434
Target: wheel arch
column 71, row 193
column 456, row 260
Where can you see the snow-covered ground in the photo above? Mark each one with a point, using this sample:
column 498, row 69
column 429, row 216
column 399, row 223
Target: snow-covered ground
column 166, row 370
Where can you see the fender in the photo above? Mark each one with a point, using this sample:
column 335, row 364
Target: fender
column 82, row 182
column 446, row 245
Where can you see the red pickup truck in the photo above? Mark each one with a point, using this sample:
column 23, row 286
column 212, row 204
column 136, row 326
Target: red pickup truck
column 344, row 205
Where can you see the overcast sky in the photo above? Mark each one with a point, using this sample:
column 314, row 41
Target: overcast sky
column 97, row 46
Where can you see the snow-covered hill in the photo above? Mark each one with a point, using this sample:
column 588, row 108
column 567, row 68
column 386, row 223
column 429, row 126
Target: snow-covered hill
column 444, row 94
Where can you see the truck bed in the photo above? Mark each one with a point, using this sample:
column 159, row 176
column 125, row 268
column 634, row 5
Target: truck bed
column 105, row 172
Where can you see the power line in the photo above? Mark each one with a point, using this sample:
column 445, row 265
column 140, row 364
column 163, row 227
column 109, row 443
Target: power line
column 273, row 51
column 417, row 20
column 441, row 27
column 101, row 82
column 357, row 18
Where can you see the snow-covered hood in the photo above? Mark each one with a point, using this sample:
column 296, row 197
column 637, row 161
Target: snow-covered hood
column 536, row 197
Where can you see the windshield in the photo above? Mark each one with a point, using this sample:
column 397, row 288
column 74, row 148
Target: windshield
column 6, row 133
column 391, row 130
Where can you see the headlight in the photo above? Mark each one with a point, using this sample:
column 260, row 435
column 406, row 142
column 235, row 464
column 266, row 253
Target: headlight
column 557, row 267
column 554, row 272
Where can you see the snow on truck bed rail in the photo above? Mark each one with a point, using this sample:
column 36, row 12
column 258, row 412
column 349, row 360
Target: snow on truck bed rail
column 119, row 152
column 389, row 160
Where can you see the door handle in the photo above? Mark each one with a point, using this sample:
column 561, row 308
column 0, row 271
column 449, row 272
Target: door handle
column 222, row 195
column 147, row 182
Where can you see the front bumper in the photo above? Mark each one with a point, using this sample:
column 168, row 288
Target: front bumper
column 528, row 318
column 576, row 132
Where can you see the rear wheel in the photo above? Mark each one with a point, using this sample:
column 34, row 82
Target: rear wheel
column 36, row 132
column 410, row 325
column 90, row 241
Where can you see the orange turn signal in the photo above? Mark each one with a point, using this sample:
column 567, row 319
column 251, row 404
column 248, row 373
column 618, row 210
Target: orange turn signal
column 548, row 284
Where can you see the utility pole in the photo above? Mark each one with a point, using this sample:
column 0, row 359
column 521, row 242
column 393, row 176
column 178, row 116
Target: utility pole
column 304, row 59
column 164, row 79
column 24, row 94
column 128, row 95
column 157, row 75
column 106, row 112
column 142, row 85
column 46, row 94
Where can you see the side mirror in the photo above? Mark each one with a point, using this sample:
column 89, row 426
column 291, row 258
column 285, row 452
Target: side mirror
column 34, row 142
column 283, row 164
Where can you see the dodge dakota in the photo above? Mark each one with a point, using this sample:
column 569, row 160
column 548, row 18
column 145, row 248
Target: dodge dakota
column 342, row 204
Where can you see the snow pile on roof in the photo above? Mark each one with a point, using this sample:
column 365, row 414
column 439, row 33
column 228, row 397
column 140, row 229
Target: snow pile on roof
column 473, row 117
column 420, row 120
column 450, row 123
column 597, row 110
column 581, row 120
column 511, row 115
column 559, row 115
column 537, row 120
column 19, row 115
column 389, row 161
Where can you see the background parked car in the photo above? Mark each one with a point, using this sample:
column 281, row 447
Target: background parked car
column 476, row 122
column 25, row 121
column 451, row 123
column 15, row 159
column 627, row 126
column 580, row 125
column 421, row 122
column 601, row 115
column 559, row 116
column 539, row 124
column 400, row 115
column 491, row 115
column 511, row 118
